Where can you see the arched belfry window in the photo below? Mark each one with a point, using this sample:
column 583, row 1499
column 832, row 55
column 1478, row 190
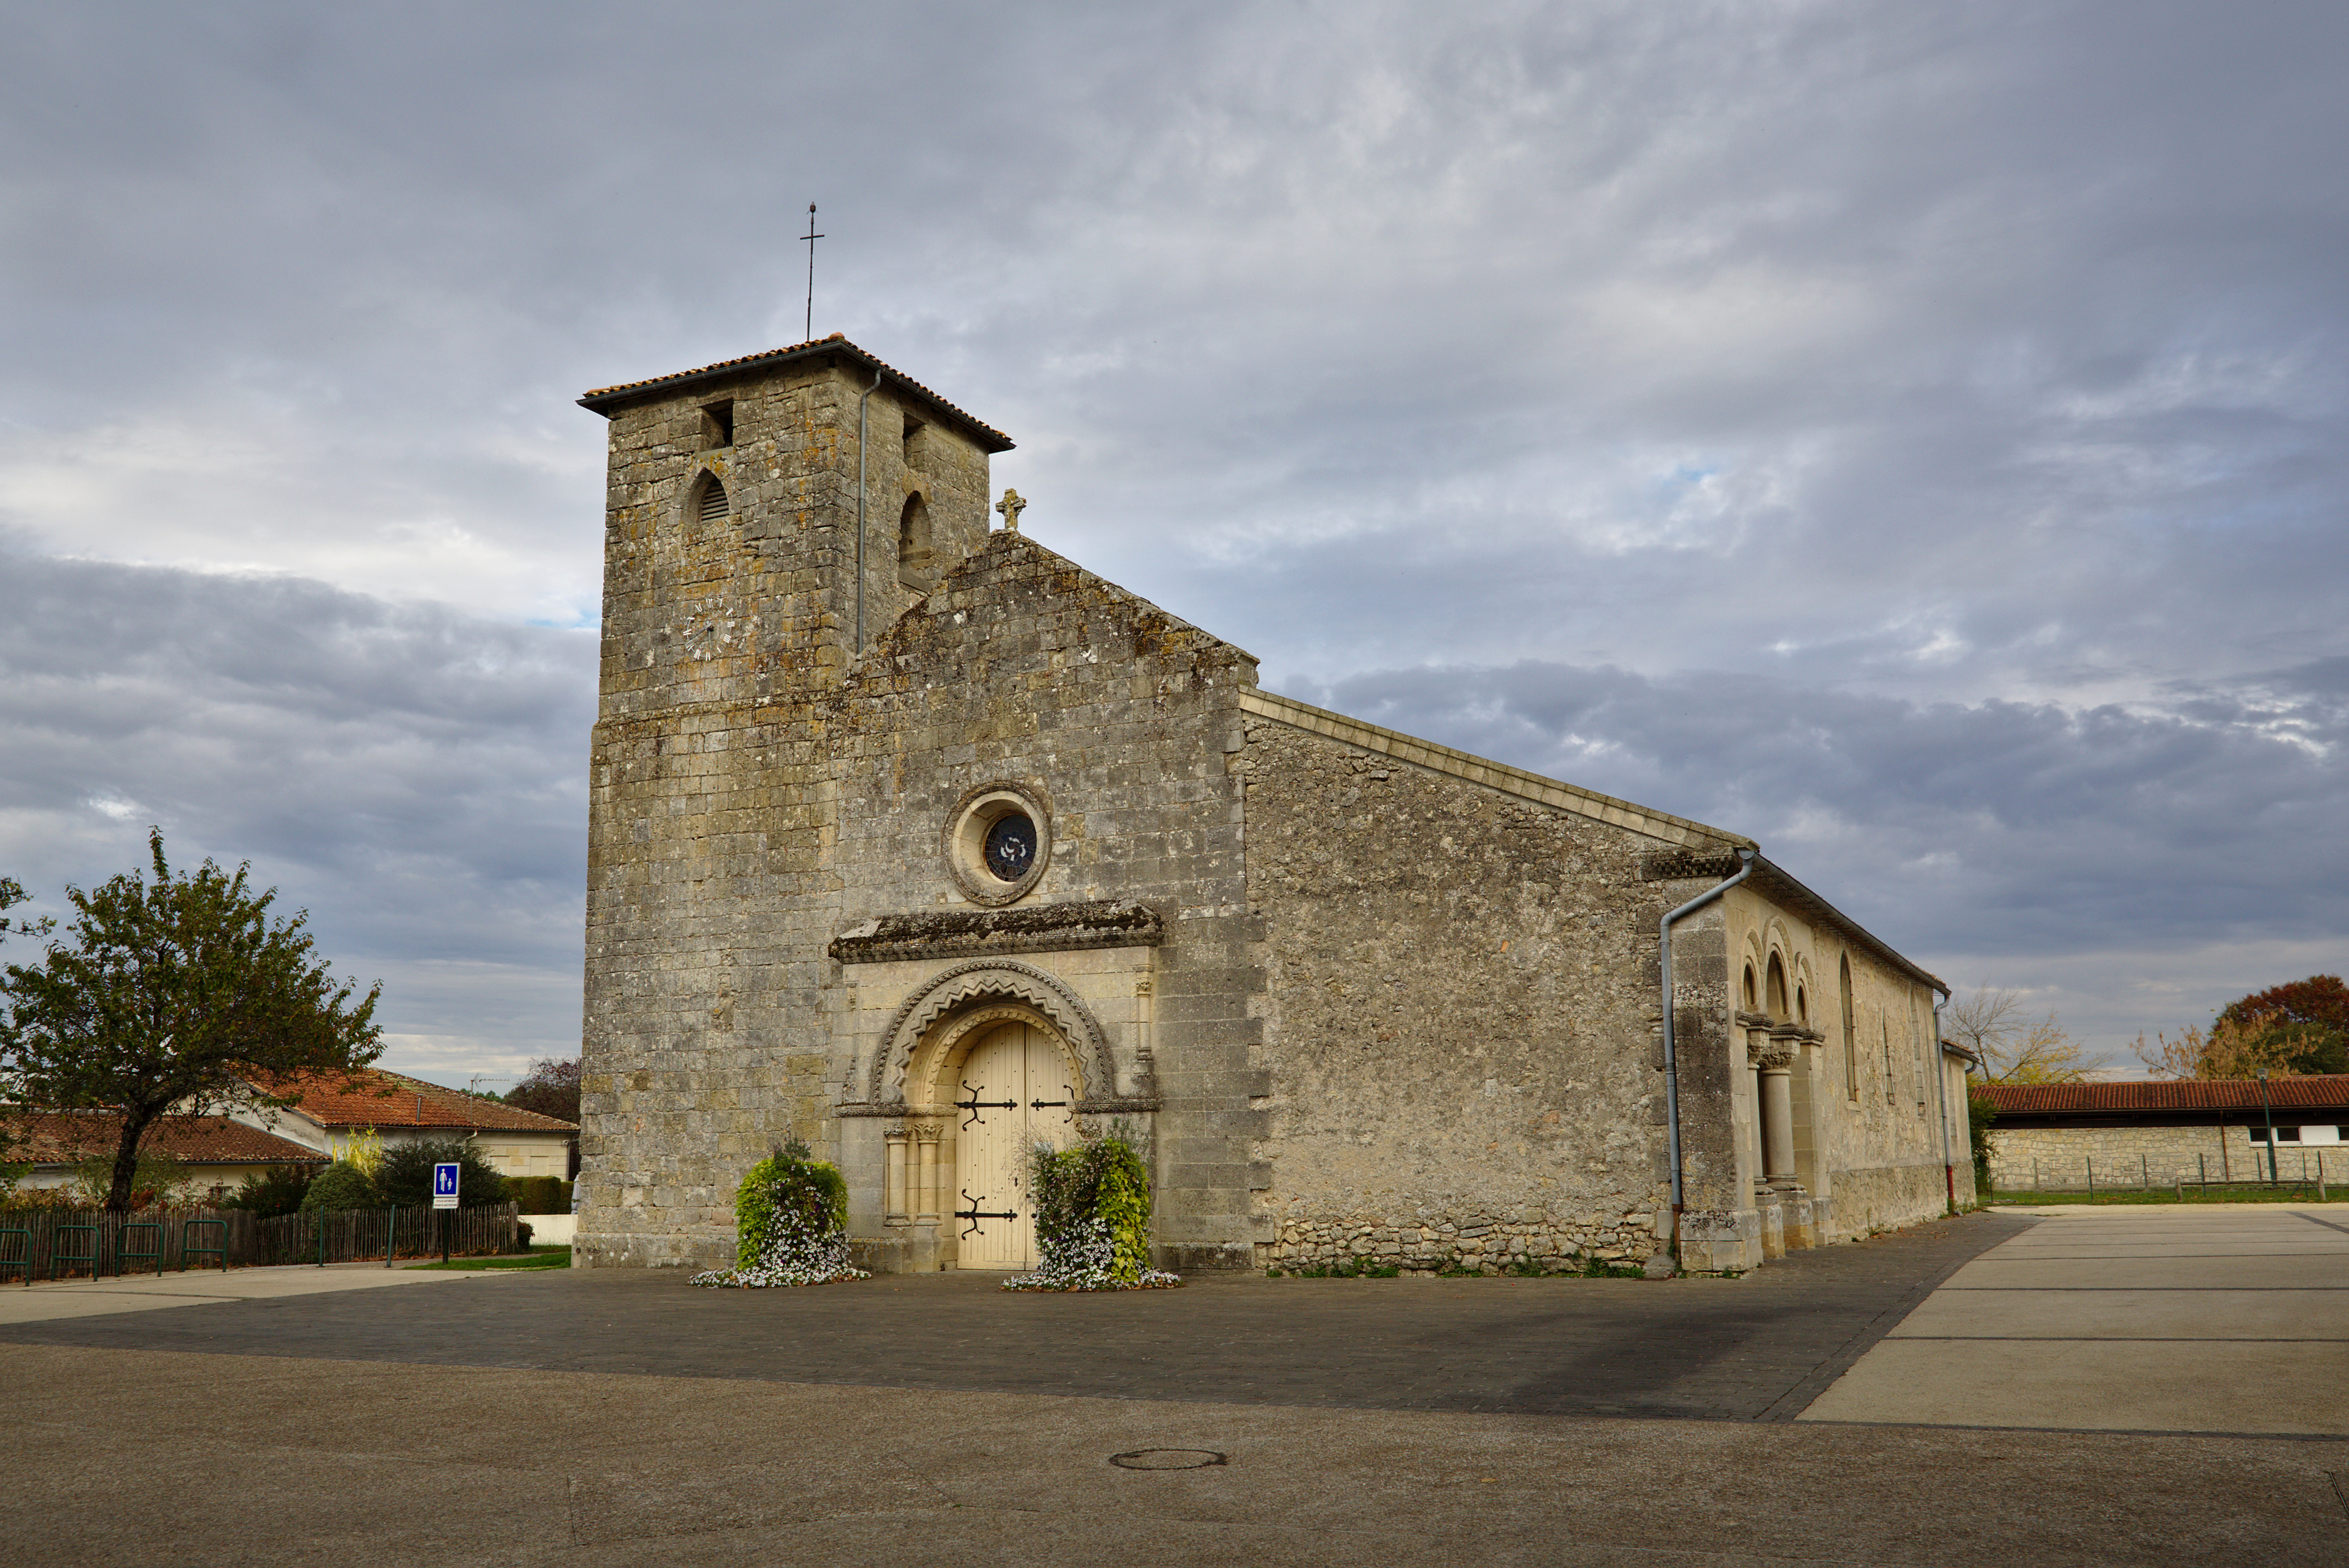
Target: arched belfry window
column 1850, row 1033
column 914, row 553
column 711, row 505
column 1777, row 982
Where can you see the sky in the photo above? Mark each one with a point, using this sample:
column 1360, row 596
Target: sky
column 1910, row 436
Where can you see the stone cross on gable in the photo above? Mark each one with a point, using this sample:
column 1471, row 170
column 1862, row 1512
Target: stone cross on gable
column 1011, row 506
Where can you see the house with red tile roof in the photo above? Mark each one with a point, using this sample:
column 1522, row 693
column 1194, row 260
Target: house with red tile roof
column 218, row 1151
column 330, row 1109
column 2057, row 1136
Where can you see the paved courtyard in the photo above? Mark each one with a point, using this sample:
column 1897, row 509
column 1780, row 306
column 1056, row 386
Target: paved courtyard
column 1844, row 1407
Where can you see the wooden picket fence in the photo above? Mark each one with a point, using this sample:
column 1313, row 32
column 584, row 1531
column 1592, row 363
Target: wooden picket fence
column 62, row 1243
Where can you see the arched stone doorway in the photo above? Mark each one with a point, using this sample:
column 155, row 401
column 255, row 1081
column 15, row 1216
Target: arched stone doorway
column 985, row 1084
column 1016, row 1090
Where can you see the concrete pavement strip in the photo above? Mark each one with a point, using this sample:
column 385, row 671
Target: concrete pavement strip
column 2122, row 1320
column 150, row 1292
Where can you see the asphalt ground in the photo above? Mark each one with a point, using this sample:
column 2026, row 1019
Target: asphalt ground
column 605, row 1417
column 1756, row 1348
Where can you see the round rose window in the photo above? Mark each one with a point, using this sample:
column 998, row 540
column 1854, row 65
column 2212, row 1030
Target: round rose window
column 1010, row 848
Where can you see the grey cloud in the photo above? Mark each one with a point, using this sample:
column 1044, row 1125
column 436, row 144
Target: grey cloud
column 414, row 778
column 1965, row 384
column 1984, row 829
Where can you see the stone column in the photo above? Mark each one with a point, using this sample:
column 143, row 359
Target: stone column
column 893, row 1205
column 1766, row 1196
column 1775, row 1063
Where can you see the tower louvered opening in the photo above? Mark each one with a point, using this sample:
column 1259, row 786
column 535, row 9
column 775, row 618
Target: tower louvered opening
column 714, row 507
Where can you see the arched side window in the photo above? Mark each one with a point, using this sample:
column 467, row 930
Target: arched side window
column 1750, row 999
column 914, row 555
column 1803, row 1006
column 711, row 505
column 1776, row 980
column 1850, row 1032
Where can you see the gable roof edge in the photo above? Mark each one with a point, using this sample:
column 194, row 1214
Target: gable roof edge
column 1453, row 764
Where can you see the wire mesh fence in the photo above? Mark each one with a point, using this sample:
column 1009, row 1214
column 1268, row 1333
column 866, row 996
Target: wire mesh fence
column 67, row 1243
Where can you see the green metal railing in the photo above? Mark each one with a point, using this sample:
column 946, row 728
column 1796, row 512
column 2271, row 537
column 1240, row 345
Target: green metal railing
column 187, row 1248
column 124, row 1253
column 60, row 1257
column 23, row 1263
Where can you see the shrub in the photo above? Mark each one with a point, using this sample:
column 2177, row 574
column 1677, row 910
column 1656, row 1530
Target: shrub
column 1092, row 1218
column 791, row 1217
column 274, row 1189
column 539, row 1194
column 404, row 1174
column 341, row 1185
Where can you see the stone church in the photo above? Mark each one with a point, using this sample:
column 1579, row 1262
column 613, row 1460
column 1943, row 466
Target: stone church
column 915, row 840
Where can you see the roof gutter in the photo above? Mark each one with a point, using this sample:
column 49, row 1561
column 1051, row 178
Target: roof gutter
column 1942, row 1078
column 1672, row 1058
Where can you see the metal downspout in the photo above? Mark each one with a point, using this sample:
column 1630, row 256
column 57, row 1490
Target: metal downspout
column 1672, row 1056
column 861, row 402
column 1941, row 1077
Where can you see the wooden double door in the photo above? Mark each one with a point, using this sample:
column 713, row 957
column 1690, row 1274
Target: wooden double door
column 1014, row 1091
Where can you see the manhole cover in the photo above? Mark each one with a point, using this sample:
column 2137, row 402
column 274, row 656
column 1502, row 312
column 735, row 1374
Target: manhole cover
column 1168, row 1459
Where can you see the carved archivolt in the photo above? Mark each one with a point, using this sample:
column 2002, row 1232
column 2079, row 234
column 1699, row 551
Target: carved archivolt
column 970, row 985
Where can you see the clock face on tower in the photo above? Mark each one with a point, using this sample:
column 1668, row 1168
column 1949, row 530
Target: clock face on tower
column 1010, row 847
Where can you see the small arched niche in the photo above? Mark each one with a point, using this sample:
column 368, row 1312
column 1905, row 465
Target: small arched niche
column 915, row 557
column 1850, row 1030
column 709, row 503
column 1776, row 981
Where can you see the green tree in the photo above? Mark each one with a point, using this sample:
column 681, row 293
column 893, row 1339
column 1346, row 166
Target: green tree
column 12, row 894
column 163, row 996
column 404, row 1176
column 1980, row 1114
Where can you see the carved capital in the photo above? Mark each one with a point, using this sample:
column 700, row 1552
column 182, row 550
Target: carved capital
column 1770, row 1055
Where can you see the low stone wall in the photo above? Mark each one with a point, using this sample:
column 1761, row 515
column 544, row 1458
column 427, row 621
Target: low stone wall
column 2057, row 1159
column 1426, row 1243
column 1886, row 1198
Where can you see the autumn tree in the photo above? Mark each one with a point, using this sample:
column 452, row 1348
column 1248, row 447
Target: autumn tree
column 2305, row 1024
column 2011, row 1047
column 551, row 1089
column 163, row 997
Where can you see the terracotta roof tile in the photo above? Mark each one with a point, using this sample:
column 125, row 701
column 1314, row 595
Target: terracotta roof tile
column 65, row 1137
column 604, row 398
column 373, row 1097
column 2329, row 1092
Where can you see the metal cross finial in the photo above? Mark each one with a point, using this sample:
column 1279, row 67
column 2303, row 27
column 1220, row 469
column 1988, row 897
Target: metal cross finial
column 807, row 332
column 1011, row 506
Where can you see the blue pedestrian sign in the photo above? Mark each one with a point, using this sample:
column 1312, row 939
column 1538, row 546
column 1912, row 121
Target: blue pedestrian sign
column 444, row 1186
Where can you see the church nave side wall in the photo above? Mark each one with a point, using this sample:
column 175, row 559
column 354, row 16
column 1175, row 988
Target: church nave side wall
column 1459, row 1035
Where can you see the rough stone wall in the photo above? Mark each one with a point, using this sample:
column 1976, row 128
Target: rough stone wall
column 2055, row 1159
column 1460, row 1016
column 1121, row 719
column 710, row 892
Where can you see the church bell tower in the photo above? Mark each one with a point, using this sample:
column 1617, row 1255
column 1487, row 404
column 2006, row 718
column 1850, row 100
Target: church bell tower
column 767, row 518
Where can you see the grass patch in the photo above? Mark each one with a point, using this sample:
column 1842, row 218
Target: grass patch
column 2240, row 1193
column 537, row 1258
